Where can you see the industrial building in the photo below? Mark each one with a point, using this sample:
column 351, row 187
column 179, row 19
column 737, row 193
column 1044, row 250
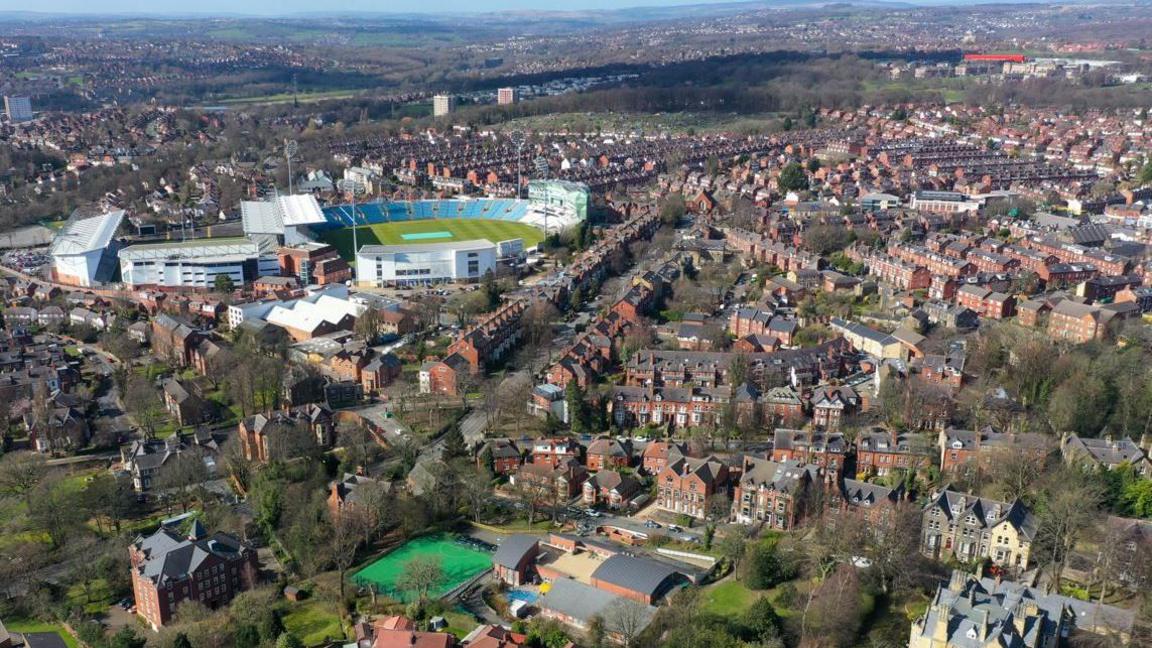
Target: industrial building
column 196, row 263
column 424, row 263
column 84, row 252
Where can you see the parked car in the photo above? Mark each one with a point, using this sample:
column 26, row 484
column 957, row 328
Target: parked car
column 593, row 513
column 652, row 524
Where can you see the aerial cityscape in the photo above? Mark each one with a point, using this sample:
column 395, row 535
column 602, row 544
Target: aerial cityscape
column 784, row 324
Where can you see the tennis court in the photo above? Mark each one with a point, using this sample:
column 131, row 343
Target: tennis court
column 459, row 562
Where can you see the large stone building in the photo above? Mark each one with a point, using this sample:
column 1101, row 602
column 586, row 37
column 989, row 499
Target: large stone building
column 967, row 528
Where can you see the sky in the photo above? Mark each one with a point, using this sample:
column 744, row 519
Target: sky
column 274, row 7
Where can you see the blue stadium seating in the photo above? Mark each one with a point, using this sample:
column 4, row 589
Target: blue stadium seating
column 392, row 212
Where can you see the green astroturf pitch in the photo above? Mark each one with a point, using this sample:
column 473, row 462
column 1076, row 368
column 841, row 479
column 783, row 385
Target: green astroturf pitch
column 459, row 563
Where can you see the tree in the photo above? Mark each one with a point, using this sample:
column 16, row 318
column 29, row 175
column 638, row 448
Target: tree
column 420, row 576
column 454, row 444
column 126, row 637
column 182, row 475
column 55, row 509
column 368, row 325
column 672, row 209
column 144, row 404
column 626, row 619
column 288, row 640
column 223, row 283
column 20, row 472
column 761, row 621
column 734, row 546
column 181, row 640
column 1067, row 506
column 578, row 417
column 792, row 178
column 347, row 531
column 764, row 568
column 597, row 633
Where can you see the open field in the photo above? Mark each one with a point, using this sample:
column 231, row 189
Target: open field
column 459, row 230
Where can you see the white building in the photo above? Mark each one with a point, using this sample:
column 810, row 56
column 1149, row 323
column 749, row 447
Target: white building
column 195, row 263
column 18, row 109
column 258, row 310
column 424, row 263
column 556, row 205
column 442, row 105
column 83, row 252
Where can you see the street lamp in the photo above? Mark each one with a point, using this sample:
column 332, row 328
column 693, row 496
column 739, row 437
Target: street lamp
column 352, row 187
column 290, row 149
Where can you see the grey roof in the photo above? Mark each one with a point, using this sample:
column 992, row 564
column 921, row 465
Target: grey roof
column 87, row 234
column 578, row 601
column 513, row 550
column 169, row 556
column 636, row 574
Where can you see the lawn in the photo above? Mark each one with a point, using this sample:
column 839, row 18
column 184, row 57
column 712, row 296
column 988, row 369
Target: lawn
column 459, row 230
column 729, row 598
column 30, row 626
column 313, row 622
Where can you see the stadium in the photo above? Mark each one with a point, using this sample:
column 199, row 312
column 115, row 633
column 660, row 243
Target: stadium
column 423, row 241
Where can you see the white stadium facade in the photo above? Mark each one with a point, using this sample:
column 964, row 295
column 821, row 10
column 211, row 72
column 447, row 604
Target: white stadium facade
column 84, row 252
column 424, row 263
column 196, row 263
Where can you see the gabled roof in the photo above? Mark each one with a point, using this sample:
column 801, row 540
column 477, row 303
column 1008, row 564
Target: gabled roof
column 513, row 550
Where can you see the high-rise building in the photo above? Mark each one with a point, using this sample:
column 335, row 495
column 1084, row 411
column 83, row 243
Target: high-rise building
column 18, row 109
column 442, row 105
column 506, row 96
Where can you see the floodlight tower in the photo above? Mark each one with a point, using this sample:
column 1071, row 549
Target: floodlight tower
column 290, row 149
column 352, row 188
column 518, row 139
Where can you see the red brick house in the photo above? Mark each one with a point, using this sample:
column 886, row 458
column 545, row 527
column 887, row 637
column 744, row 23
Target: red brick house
column 685, row 485
column 608, row 453
column 659, row 454
column 773, row 493
column 610, row 489
column 880, row 452
column 170, row 567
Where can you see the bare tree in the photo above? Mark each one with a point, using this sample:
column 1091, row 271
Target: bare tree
column 626, row 619
column 1068, row 505
column 144, row 405
column 347, row 532
column 182, row 475
column 420, row 576
column 20, row 472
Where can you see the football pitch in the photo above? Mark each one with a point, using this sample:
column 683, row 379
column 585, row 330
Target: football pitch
column 431, row 231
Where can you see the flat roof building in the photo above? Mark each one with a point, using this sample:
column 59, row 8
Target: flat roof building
column 424, row 263
column 195, row 263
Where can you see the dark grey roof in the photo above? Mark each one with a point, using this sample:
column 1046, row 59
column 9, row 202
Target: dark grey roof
column 578, row 601
column 636, row 574
column 513, row 550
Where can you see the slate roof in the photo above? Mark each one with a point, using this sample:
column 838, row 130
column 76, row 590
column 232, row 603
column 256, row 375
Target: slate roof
column 513, row 550
column 641, row 575
column 170, row 556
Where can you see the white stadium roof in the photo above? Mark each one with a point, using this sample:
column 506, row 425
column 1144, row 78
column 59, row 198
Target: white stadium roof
column 87, row 234
column 300, row 209
column 261, row 217
column 272, row 216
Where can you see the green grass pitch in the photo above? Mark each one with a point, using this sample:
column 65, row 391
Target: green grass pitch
column 461, row 229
